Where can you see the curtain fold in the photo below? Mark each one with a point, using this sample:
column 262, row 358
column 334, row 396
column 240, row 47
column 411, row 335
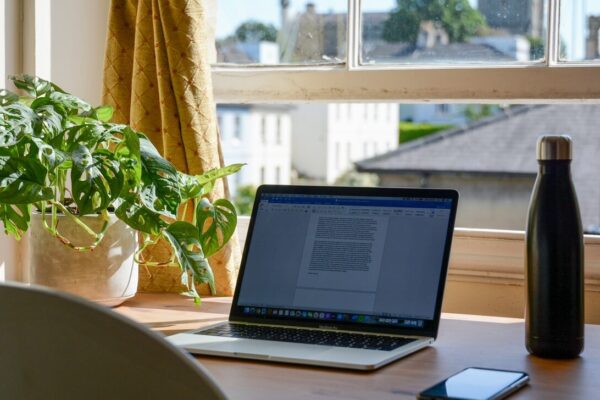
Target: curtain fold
column 157, row 78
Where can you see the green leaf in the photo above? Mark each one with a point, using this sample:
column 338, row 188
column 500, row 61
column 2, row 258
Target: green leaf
column 15, row 218
column 103, row 113
column 128, row 154
column 189, row 187
column 17, row 119
column 51, row 120
column 195, row 186
column 160, row 192
column 22, row 181
column 216, row 173
column 216, row 224
column 140, row 218
column 8, row 97
column 96, row 179
column 72, row 104
column 87, row 134
column 183, row 237
column 50, row 157
column 33, row 85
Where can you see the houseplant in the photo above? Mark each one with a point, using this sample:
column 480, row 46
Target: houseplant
column 62, row 158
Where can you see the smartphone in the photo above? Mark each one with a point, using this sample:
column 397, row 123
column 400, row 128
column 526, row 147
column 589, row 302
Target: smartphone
column 477, row 384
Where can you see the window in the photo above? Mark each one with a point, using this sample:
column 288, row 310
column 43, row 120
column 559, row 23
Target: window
column 348, row 153
column 278, row 175
column 263, row 129
column 543, row 57
column 442, row 108
column 536, row 59
column 278, row 133
column 263, row 175
column 237, row 126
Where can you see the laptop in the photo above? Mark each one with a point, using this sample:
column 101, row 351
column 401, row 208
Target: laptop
column 336, row 276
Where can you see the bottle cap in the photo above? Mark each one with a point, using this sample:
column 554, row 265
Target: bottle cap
column 554, row 147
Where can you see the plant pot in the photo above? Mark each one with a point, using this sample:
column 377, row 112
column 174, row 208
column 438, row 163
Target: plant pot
column 107, row 275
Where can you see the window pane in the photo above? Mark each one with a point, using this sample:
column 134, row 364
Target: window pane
column 486, row 152
column 579, row 30
column 281, row 31
column 453, row 31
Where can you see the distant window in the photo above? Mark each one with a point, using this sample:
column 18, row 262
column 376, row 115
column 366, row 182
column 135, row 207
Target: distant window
column 278, row 133
column 262, row 175
column 349, row 152
column 278, row 175
column 263, row 129
column 442, row 108
column 237, row 127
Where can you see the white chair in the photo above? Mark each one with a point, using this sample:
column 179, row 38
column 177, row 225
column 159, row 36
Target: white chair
column 58, row 346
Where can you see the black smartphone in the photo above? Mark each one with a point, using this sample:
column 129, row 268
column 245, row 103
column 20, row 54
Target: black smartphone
column 477, row 384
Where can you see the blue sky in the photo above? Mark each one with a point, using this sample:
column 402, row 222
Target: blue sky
column 231, row 13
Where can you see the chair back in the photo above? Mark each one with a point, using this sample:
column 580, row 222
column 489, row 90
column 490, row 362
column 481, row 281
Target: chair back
column 58, row 346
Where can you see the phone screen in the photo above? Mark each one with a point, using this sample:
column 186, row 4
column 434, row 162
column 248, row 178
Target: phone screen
column 477, row 384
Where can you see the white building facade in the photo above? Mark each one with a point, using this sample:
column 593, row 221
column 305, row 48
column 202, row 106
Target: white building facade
column 328, row 138
column 260, row 137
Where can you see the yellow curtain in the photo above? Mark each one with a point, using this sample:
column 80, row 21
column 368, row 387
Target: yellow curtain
column 157, row 78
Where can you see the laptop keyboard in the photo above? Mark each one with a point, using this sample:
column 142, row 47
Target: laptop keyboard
column 308, row 336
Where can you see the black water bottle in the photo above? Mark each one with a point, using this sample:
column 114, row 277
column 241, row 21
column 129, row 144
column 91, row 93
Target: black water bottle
column 554, row 316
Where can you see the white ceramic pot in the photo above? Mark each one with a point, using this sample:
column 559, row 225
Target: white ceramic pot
column 107, row 275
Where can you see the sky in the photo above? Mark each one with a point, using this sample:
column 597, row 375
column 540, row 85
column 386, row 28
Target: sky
column 231, row 13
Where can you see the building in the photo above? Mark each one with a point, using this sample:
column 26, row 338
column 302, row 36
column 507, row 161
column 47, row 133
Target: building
column 328, row 138
column 522, row 17
column 592, row 46
column 492, row 163
column 259, row 136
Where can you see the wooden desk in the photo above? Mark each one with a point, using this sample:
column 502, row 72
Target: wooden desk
column 464, row 341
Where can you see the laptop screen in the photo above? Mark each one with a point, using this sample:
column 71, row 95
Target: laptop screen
column 343, row 258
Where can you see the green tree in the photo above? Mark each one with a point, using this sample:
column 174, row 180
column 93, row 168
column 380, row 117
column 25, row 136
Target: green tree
column 244, row 199
column 256, row 31
column 537, row 48
column 457, row 17
column 476, row 112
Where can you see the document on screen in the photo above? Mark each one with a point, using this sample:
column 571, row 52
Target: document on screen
column 342, row 253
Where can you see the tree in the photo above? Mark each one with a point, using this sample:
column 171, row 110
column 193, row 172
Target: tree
column 244, row 199
column 537, row 48
column 457, row 17
column 476, row 112
column 255, row 31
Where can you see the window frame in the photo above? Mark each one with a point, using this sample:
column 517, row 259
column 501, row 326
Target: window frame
column 549, row 81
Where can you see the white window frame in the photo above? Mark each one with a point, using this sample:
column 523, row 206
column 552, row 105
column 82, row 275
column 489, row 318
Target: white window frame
column 479, row 256
column 550, row 81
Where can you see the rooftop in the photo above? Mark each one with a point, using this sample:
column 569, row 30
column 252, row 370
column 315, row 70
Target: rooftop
column 505, row 145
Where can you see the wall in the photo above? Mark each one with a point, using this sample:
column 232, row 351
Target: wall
column 488, row 202
column 248, row 148
column 10, row 64
column 309, row 137
column 77, row 53
column 359, row 131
